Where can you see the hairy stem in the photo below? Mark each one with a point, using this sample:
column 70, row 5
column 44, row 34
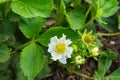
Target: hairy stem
column 22, row 46
column 82, row 75
column 78, row 73
column 108, row 34
column 88, row 10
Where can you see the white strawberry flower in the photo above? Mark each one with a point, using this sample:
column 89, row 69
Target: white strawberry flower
column 59, row 48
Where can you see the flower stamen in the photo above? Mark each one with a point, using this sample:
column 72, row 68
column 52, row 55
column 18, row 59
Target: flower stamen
column 60, row 48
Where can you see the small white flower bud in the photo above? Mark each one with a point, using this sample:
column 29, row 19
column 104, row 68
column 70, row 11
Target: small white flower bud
column 79, row 60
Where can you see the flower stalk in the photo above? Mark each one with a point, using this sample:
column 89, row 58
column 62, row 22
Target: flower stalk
column 80, row 74
column 108, row 34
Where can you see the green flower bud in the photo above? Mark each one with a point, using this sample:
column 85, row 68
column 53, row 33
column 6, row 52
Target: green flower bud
column 87, row 38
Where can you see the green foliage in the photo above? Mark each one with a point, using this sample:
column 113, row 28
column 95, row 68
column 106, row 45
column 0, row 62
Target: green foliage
column 115, row 75
column 27, row 26
column 31, row 26
column 32, row 60
column 44, row 39
column 4, row 53
column 2, row 1
column 111, row 24
column 31, row 8
column 45, row 70
column 7, row 29
column 76, row 18
column 109, row 7
column 104, row 63
column 119, row 22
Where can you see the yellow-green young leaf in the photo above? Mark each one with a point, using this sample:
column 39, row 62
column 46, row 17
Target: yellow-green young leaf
column 4, row 53
column 31, row 60
column 31, row 26
column 76, row 18
column 32, row 8
column 44, row 39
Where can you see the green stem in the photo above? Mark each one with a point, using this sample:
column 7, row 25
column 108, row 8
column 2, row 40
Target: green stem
column 79, row 74
column 108, row 34
column 119, row 22
column 60, row 13
column 82, row 75
column 98, row 6
column 88, row 10
column 91, row 20
column 22, row 46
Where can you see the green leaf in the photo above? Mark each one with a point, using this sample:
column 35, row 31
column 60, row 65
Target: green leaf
column 32, row 8
column 6, row 28
column 115, row 75
column 119, row 22
column 89, row 1
column 31, row 60
column 98, row 43
column 91, row 27
column 109, row 7
column 106, row 7
column 45, row 70
column 4, row 53
column 61, row 11
column 103, row 66
column 104, row 63
column 68, row 2
column 44, row 39
column 2, row 1
column 31, row 26
column 108, row 54
column 111, row 24
column 76, row 18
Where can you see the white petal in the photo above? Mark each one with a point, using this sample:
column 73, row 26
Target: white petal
column 68, row 52
column 63, row 38
column 63, row 60
column 55, row 56
column 51, row 47
column 54, row 40
column 68, row 42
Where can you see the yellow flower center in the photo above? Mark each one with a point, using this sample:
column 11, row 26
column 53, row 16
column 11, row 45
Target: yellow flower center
column 88, row 39
column 60, row 48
